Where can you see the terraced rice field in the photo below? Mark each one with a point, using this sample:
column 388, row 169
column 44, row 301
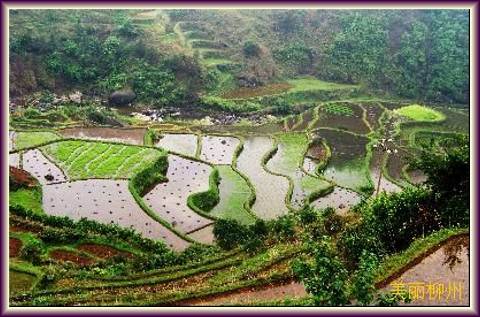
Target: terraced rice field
column 42, row 168
column 353, row 123
column 306, row 120
column 234, row 197
column 288, row 160
column 14, row 159
column 218, row 149
column 31, row 139
column 204, row 235
column 129, row 136
column 347, row 166
column 373, row 114
column 310, row 165
column 105, row 201
column 270, row 190
column 11, row 140
column 85, row 159
column 375, row 168
column 169, row 199
column 340, row 199
column 185, row 144
column 20, row 281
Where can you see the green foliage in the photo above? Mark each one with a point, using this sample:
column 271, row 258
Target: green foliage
column 205, row 201
column 150, row 175
column 229, row 105
column 448, row 179
column 283, row 228
column 229, row 233
column 32, row 251
column 363, row 285
column 296, row 55
column 401, row 217
column 326, row 278
column 251, row 49
column 29, row 198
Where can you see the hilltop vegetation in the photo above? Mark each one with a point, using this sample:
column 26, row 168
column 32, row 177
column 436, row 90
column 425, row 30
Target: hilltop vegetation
column 172, row 57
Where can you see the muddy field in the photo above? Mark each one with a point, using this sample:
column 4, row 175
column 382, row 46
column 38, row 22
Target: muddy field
column 14, row 159
column 11, row 140
column 374, row 112
column 218, row 150
column 19, row 282
column 169, row 199
column 70, row 256
column 251, row 295
column 271, row 190
column 375, row 166
column 310, row 165
column 105, row 201
column 353, row 123
column 180, row 143
column 440, row 279
column 307, row 118
column 102, row 251
column 340, row 198
column 14, row 246
column 346, row 166
column 205, row 235
column 42, row 168
column 129, row 136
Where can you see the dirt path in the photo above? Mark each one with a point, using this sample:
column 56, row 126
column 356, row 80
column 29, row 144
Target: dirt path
column 249, row 295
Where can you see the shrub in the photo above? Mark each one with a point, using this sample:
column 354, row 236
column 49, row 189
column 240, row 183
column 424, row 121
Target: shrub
column 230, row 233
column 283, row 228
column 32, row 251
column 205, row 201
column 251, row 49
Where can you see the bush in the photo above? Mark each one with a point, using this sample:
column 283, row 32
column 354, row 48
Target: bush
column 251, row 49
column 150, row 175
column 230, row 233
column 32, row 251
column 205, row 201
column 283, row 228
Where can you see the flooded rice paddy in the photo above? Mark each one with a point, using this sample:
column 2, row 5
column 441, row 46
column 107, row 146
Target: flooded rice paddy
column 14, row 159
column 271, row 190
column 169, row 199
column 310, row 165
column 129, row 136
column 218, row 149
column 108, row 202
column 180, row 143
column 340, row 198
column 42, row 168
column 375, row 169
column 373, row 114
column 234, row 197
column 204, row 235
column 346, row 166
column 353, row 123
column 11, row 140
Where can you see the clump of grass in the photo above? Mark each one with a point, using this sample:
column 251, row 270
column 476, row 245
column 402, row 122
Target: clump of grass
column 421, row 113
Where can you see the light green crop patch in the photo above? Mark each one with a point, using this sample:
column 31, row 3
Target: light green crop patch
column 31, row 139
column 310, row 83
column 86, row 159
column 420, row 113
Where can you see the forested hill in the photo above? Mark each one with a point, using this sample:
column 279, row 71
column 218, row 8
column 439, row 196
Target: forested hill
column 173, row 56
